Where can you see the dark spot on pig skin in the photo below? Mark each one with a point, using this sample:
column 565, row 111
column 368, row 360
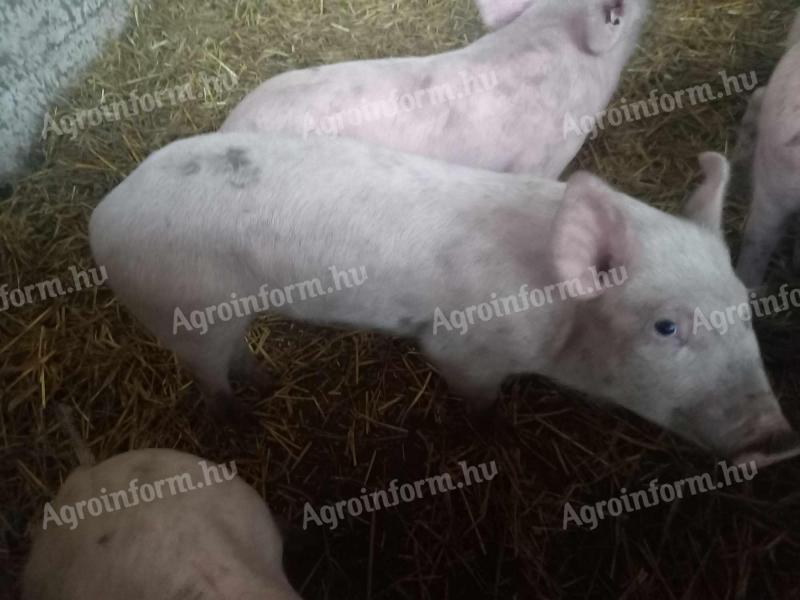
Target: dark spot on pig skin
column 795, row 141
column 426, row 82
column 238, row 168
column 237, row 158
column 357, row 90
column 245, row 179
column 190, row 168
column 104, row 539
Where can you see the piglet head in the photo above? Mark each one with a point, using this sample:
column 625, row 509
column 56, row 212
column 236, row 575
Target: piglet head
column 664, row 328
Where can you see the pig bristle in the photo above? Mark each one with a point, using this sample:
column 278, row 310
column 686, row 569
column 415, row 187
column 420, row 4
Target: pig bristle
column 357, row 410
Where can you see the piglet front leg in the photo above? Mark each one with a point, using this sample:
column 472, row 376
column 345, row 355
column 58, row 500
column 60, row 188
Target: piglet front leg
column 469, row 373
column 246, row 369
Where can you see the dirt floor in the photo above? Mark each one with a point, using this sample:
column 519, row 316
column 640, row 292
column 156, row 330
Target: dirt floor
column 359, row 410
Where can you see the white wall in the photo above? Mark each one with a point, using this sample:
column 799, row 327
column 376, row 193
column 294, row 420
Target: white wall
column 44, row 46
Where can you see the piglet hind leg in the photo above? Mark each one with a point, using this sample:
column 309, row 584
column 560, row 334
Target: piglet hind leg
column 765, row 227
column 209, row 358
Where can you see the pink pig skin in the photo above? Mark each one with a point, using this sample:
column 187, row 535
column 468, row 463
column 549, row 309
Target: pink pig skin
column 775, row 166
column 218, row 215
column 219, row 541
column 558, row 58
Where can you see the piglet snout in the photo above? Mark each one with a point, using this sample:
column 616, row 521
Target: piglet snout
column 773, row 440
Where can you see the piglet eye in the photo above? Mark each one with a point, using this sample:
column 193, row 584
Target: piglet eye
column 666, row 328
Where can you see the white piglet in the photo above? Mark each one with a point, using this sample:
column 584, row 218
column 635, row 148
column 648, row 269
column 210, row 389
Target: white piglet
column 775, row 164
column 198, row 531
column 508, row 102
column 493, row 274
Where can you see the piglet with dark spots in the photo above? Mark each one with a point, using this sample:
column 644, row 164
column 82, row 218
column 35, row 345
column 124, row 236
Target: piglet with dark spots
column 432, row 239
column 507, row 102
column 770, row 141
column 205, row 535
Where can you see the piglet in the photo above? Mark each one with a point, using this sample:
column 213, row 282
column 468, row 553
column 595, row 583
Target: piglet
column 178, row 527
column 493, row 274
column 775, row 164
column 508, row 102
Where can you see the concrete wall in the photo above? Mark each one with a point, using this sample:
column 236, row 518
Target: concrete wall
column 44, row 46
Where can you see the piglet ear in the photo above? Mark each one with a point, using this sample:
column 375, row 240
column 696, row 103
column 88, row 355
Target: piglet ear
column 705, row 205
column 591, row 234
column 498, row 13
column 605, row 21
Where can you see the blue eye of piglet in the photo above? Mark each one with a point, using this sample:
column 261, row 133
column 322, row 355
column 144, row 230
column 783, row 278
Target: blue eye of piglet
column 666, row 328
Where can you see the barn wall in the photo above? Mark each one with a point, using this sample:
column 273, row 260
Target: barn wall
column 44, row 45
